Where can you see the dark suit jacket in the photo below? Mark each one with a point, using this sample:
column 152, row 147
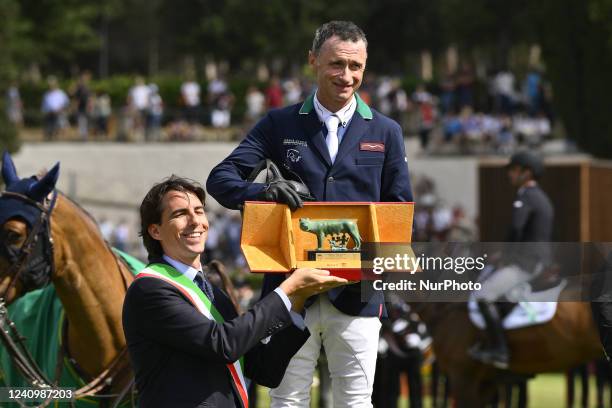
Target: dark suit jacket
column 179, row 356
column 532, row 219
column 371, row 166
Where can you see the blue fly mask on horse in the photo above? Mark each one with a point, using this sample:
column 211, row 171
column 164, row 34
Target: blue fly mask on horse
column 26, row 200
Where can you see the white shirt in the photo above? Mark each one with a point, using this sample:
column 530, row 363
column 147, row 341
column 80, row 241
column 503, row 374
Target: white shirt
column 191, row 93
column 256, row 103
column 190, row 272
column 217, row 86
column 139, row 95
column 55, row 101
column 504, row 83
column 345, row 114
column 293, row 92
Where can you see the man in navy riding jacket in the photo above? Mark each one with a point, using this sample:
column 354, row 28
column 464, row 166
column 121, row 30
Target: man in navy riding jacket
column 532, row 221
column 185, row 339
column 343, row 151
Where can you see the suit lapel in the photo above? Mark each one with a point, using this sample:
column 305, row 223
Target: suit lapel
column 314, row 131
column 352, row 136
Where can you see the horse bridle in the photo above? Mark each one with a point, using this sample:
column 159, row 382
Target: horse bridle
column 20, row 260
column 40, row 234
column 10, row 337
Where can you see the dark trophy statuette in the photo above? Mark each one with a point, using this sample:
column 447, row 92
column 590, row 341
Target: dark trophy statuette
column 338, row 232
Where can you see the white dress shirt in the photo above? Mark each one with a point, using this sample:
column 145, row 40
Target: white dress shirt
column 345, row 114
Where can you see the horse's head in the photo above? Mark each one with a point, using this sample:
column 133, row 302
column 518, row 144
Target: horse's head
column 26, row 257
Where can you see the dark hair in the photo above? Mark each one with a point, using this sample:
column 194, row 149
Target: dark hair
column 345, row 30
column 151, row 208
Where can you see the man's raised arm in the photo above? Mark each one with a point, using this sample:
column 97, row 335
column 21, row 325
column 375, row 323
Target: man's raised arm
column 226, row 182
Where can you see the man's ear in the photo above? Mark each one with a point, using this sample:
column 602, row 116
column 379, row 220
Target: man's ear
column 312, row 60
column 526, row 174
column 154, row 232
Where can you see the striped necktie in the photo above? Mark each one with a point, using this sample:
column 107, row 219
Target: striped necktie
column 204, row 286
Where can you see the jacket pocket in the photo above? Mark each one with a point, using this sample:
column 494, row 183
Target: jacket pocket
column 370, row 161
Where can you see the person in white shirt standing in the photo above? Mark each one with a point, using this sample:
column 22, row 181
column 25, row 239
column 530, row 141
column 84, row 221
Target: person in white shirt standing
column 256, row 105
column 138, row 103
column 54, row 105
column 190, row 96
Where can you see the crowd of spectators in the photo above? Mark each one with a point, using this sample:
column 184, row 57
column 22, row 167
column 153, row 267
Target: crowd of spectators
column 460, row 114
column 450, row 121
column 437, row 221
column 449, row 116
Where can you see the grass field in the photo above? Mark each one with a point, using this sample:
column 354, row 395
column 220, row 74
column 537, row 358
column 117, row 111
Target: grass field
column 545, row 391
column 549, row 390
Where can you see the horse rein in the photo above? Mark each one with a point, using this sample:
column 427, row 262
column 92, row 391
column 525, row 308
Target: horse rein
column 18, row 351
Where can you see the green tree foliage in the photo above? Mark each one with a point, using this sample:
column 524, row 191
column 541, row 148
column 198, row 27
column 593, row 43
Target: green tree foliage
column 398, row 29
column 9, row 31
column 577, row 48
column 261, row 30
column 57, row 31
column 490, row 25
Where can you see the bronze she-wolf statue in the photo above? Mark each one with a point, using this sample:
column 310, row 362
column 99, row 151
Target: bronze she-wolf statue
column 322, row 228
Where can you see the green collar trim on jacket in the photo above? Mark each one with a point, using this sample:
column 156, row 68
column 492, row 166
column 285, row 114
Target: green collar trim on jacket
column 363, row 109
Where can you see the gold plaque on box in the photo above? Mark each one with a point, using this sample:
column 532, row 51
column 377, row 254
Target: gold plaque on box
column 273, row 241
column 335, row 256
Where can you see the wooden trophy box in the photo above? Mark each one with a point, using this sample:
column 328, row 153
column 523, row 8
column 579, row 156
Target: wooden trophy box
column 273, row 242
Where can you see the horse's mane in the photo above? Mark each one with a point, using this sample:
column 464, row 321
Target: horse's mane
column 119, row 259
column 80, row 207
column 42, row 172
column 85, row 212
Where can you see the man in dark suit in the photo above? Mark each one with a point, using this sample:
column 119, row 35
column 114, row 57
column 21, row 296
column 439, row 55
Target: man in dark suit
column 343, row 151
column 185, row 339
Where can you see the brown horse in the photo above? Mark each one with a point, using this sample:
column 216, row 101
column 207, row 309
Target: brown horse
column 569, row 339
column 89, row 279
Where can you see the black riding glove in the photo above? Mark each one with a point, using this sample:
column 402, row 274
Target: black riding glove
column 282, row 191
